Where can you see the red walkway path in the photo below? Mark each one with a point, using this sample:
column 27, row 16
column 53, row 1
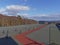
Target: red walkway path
column 27, row 41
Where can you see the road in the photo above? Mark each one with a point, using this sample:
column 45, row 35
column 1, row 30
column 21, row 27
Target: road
column 27, row 41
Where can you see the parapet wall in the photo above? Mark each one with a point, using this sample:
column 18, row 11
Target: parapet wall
column 13, row 30
column 48, row 34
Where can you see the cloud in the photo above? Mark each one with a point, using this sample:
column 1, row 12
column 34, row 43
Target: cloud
column 2, row 10
column 14, row 9
column 25, row 15
column 17, row 7
column 44, row 17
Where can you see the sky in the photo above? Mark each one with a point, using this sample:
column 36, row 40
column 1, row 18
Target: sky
column 44, row 10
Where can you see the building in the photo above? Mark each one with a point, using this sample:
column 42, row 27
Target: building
column 13, row 20
column 29, row 21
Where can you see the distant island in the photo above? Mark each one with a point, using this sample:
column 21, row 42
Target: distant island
column 44, row 22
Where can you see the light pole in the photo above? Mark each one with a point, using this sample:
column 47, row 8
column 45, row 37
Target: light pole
column 7, row 34
column 49, row 33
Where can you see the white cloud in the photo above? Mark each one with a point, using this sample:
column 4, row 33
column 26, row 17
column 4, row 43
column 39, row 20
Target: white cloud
column 18, row 7
column 2, row 10
column 40, row 15
column 25, row 15
column 14, row 9
column 44, row 17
